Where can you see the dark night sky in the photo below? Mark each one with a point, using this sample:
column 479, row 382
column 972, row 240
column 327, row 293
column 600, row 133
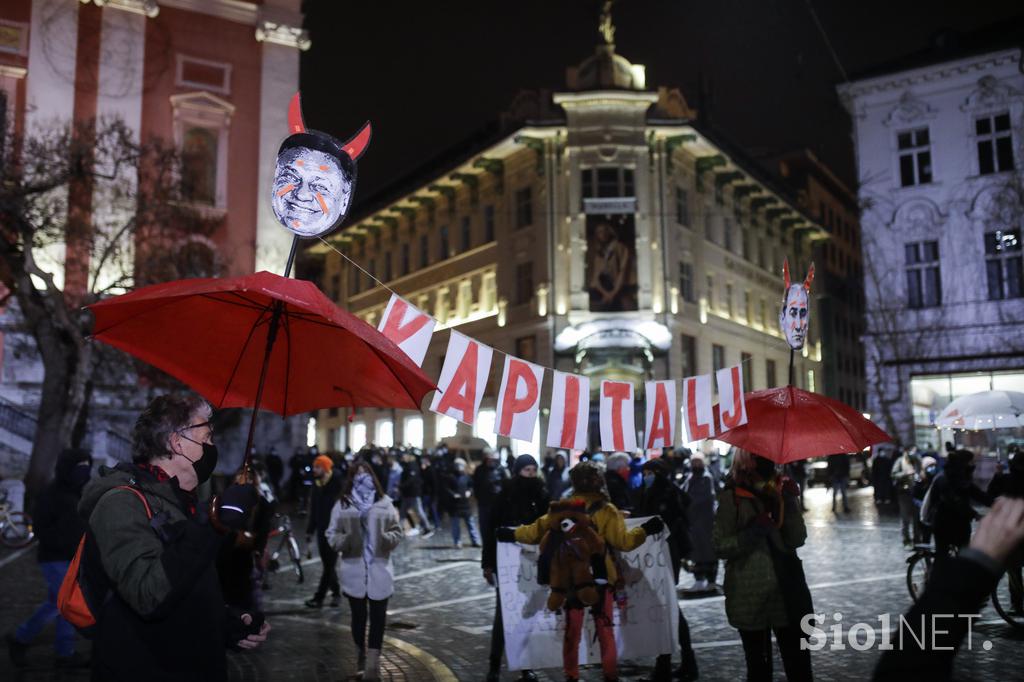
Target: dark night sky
column 428, row 74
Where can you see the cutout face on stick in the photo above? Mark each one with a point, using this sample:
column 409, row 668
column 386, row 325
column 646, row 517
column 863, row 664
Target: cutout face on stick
column 795, row 313
column 315, row 177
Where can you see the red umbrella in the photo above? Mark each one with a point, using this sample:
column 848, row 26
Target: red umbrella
column 220, row 337
column 787, row 424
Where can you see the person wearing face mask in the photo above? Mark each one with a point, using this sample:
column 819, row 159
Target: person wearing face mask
column 700, row 486
column 58, row 528
column 326, row 487
column 929, row 470
column 616, row 479
column 365, row 528
column 948, row 503
column 150, row 550
column 758, row 527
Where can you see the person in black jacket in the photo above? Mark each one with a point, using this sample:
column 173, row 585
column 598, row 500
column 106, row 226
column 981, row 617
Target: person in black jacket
column 522, row 500
column 487, row 480
column 410, row 489
column 459, row 488
column 660, row 497
column 616, row 479
column 326, row 488
column 59, row 529
column 948, row 503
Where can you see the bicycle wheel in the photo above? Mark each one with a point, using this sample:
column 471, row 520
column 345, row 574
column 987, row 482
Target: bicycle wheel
column 17, row 531
column 1007, row 599
column 918, row 569
column 296, row 557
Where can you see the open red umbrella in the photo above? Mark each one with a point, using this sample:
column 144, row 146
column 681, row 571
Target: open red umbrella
column 220, row 337
column 788, row 424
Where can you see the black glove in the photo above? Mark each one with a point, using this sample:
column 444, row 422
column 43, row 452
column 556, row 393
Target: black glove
column 234, row 505
column 653, row 525
column 505, row 534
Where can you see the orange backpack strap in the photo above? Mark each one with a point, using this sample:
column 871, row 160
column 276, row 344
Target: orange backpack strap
column 138, row 493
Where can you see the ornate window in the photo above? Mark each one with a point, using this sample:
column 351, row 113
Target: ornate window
column 1004, row 263
column 915, row 157
column 924, row 283
column 995, row 143
column 202, row 123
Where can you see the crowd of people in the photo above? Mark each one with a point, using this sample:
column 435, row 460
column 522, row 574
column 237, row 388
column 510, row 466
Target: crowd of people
column 174, row 580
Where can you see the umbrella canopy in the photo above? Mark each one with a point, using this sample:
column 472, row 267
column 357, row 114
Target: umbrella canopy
column 212, row 335
column 985, row 410
column 788, row 424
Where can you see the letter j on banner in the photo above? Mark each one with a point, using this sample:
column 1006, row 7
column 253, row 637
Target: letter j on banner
column 463, row 379
column 570, row 412
column 660, row 401
column 698, row 419
column 732, row 408
column 618, row 429
column 518, row 399
column 409, row 327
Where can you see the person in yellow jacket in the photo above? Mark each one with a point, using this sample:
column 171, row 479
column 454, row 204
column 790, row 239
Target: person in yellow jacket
column 588, row 489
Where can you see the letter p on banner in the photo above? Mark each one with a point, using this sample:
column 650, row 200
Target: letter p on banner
column 618, row 429
column 570, row 412
column 660, row 401
column 698, row 419
column 463, row 379
column 732, row 408
column 518, row 399
column 409, row 327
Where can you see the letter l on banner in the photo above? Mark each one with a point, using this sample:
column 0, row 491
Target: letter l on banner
column 698, row 419
column 463, row 379
column 518, row 399
column 570, row 412
column 660, row 401
column 732, row 407
column 618, row 429
column 409, row 327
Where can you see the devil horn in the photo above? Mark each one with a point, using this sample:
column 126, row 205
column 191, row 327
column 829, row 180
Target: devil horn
column 785, row 273
column 357, row 145
column 295, row 124
column 810, row 278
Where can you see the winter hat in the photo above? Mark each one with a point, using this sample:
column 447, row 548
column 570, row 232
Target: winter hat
column 927, row 461
column 460, row 464
column 324, row 462
column 523, row 461
column 655, row 466
column 586, row 478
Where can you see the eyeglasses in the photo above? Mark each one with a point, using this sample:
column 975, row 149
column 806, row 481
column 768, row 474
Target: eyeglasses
column 207, row 424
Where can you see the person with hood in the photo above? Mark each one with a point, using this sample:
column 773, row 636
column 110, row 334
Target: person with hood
column 410, row 488
column 700, row 486
column 757, row 529
column 59, row 528
column 556, row 475
column 616, row 480
column 905, row 471
column 522, row 500
column 947, row 506
column 326, row 488
column 163, row 616
column 487, row 480
column 661, row 498
column 929, row 470
column 365, row 528
column 459, row 488
column 610, row 524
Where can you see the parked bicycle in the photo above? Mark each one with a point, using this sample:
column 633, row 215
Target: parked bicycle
column 287, row 549
column 1005, row 597
column 15, row 526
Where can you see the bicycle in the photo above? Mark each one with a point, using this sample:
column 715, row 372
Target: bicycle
column 15, row 527
column 1005, row 597
column 287, row 543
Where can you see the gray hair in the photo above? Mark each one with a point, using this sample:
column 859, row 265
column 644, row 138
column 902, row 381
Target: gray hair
column 163, row 416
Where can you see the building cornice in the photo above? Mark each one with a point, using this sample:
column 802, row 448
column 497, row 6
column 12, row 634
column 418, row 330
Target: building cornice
column 902, row 80
column 232, row 10
column 147, row 8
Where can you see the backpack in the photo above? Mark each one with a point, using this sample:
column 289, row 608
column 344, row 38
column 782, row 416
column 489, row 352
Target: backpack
column 77, row 605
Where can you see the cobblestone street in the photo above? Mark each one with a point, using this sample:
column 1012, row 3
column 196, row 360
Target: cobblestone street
column 440, row 615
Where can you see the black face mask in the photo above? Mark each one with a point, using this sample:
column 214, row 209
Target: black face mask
column 205, row 465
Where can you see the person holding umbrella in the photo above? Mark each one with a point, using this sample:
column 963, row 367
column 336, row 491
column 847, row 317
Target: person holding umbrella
column 758, row 527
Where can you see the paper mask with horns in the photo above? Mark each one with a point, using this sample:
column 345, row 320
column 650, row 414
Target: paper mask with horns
column 796, row 311
column 315, row 176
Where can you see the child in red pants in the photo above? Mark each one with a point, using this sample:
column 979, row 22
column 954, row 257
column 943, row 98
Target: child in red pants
column 602, row 613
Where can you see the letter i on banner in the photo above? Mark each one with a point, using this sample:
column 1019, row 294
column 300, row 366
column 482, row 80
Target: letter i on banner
column 698, row 419
column 463, row 379
column 409, row 327
column 518, row 399
column 618, row 429
column 570, row 412
column 732, row 407
column 660, row 401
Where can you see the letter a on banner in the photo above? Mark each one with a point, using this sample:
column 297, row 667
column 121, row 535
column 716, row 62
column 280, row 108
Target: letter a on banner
column 463, row 379
column 409, row 327
column 732, row 408
column 661, row 414
column 698, row 419
column 618, row 430
column 518, row 399
column 570, row 412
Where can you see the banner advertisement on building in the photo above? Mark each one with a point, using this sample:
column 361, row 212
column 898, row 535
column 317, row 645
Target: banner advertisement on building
column 611, row 262
column 533, row 635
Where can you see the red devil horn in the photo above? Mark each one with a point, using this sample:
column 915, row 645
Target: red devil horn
column 785, row 272
column 357, row 145
column 295, row 124
column 810, row 278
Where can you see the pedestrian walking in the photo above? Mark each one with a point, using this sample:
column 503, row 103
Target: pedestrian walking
column 432, row 488
column 275, row 470
column 905, row 472
column 58, row 528
column 699, row 485
column 326, row 488
column 838, row 472
column 881, row 475
column 929, row 470
column 410, row 486
column 487, row 480
column 365, row 528
column 459, row 489
column 522, row 500
column 556, row 475
column 798, row 472
column 758, row 527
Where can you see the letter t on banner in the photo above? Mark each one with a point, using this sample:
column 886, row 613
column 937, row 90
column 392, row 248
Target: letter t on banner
column 409, row 327
column 618, row 429
column 698, row 419
column 660, row 401
column 570, row 412
column 463, row 379
column 732, row 408
column 518, row 399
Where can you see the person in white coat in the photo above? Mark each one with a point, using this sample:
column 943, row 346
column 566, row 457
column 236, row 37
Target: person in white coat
column 364, row 529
